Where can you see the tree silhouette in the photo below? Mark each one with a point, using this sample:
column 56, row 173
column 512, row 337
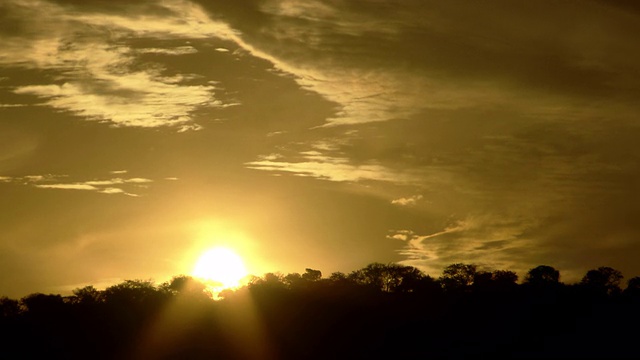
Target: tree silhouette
column 184, row 286
column 43, row 304
column 337, row 276
column 271, row 279
column 543, row 275
column 135, row 291
column 87, row 295
column 506, row 277
column 312, row 275
column 387, row 277
column 413, row 280
column 633, row 287
column 292, row 279
column 459, row 276
column 495, row 281
column 378, row 311
column 604, row 280
column 9, row 308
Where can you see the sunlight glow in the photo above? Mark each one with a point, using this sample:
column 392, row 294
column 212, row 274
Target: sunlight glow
column 221, row 266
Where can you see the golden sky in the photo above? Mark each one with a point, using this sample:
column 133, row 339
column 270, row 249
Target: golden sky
column 316, row 133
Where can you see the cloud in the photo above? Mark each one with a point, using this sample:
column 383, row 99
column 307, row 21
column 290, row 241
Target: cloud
column 363, row 56
column 117, row 181
column 104, row 186
column 335, row 169
column 137, row 180
column 68, row 186
column 270, row 157
column 485, row 240
column 97, row 78
column 39, row 178
column 385, row 61
column 338, row 154
column 112, row 190
column 412, row 200
column 180, row 50
column 472, row 95
column 518, row 124
column 108, row 97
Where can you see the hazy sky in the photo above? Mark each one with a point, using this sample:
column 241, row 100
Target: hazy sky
column 316, row 133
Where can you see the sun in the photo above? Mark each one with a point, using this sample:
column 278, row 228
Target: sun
column 221, row 266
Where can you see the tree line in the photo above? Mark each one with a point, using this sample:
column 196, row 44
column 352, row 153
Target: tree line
column 378, row 311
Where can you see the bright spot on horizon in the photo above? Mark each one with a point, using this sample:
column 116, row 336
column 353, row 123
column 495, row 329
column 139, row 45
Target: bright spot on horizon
column 221, row 266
